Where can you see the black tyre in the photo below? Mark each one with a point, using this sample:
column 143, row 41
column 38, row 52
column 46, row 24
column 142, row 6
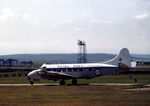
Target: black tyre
column 62, row 82
column 31, row 82
column 74, row 82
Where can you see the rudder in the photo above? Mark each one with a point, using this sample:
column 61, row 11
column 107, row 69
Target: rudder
column 122, row 58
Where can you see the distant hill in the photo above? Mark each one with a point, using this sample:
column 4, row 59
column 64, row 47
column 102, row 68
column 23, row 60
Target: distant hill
column 144, row 56
column 68, row 58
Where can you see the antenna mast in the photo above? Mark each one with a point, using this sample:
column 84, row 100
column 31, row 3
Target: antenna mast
column 82, row 55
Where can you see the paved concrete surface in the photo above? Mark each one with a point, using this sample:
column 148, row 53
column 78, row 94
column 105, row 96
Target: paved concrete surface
column 91, row 84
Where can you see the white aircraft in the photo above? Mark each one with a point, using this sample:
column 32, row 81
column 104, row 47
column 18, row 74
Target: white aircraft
column 64, row 72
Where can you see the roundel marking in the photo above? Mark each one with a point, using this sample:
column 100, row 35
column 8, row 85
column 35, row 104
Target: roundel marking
column 97, row 72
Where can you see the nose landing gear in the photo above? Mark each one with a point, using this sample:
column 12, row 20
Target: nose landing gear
column 30, row 81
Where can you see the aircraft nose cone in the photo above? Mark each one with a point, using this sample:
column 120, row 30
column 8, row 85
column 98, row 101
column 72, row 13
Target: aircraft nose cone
column 34, row 75
column 30, row 75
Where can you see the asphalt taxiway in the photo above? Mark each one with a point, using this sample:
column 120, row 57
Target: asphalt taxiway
column 91, row 84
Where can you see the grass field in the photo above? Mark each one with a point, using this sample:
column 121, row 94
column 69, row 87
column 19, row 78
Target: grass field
column 73, row 95
column 80, row 95
column 141, row 78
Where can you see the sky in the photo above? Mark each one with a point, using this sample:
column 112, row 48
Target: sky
column 55, row 26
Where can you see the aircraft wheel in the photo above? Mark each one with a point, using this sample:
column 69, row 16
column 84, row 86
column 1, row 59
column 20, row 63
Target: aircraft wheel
column 74, row 82
column 62, row 82
column 31, row 82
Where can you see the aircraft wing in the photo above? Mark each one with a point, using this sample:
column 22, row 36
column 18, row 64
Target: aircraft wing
column 60, row 74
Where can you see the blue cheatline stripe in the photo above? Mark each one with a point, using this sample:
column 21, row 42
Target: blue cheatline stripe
column 78, row 69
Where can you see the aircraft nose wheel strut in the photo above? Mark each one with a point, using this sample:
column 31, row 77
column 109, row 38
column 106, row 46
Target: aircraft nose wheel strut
column 31, row 82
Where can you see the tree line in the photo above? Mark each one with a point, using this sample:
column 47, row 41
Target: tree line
column 14, row 62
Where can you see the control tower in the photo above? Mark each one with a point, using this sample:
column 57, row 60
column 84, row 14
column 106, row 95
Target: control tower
column 82, row 55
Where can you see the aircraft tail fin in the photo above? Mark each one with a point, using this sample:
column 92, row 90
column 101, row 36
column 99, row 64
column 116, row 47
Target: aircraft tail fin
column 122, row 59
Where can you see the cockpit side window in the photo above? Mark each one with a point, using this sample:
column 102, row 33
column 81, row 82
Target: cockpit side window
column 43, row 68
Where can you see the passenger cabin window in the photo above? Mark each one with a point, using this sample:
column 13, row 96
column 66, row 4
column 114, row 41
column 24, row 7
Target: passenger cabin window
column 58, row 70
column 48, row 69
column 69, row 70
column 75, row 69
column 53, row 69
column 90, row 69
column 63, row 70
column 80, row 69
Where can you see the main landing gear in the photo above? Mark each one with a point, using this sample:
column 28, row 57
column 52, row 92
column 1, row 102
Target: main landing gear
column 62, row 82
column 74, row 81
